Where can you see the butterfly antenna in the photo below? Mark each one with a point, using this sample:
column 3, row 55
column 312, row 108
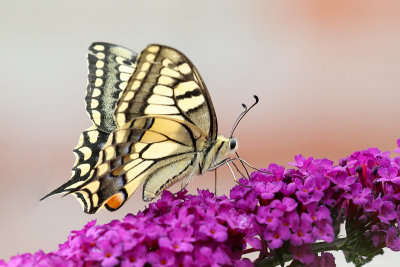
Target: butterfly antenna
column 238, row 119
column 242, row 114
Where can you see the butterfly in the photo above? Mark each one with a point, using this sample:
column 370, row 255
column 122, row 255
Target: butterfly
column 153, row 124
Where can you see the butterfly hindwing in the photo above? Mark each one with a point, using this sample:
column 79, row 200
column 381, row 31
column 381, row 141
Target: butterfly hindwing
column 167, row 175
column 157, row 150
column 165, row 82
column 87, row 154
column 110, row 67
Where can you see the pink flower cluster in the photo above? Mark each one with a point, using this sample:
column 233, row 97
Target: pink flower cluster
column 276, row 213
column 294, row 208
column 181, row 230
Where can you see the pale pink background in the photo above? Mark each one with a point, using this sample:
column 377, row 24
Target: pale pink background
column 327, row 74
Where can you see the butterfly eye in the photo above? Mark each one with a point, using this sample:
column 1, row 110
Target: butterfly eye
column 232, row 143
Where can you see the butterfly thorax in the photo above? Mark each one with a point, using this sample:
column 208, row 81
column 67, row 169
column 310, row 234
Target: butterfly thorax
column 216, row 152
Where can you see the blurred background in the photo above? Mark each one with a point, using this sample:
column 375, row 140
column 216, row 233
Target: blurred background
column 326, row 72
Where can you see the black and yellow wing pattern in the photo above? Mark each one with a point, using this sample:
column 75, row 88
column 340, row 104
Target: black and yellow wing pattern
column 163, row 117
column 86, row 154
column 165, row 82
column 109, row 68
column 155, row 150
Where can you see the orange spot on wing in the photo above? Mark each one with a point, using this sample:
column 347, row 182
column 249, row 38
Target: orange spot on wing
column 115, row 201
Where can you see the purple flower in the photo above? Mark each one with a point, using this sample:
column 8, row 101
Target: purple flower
column 213, row 229
column 303, row 254
column 161, row 257
column 254, row 242
column 106, row 253
column 372, row 204
column 377, row 235
column 317, row 213
column 398, row 215
column 324, row 230
column 325, row 260
column 302, row 233
column 221, row 256
column 291, row 219
column 179, row 240
column 270, row 217
column 246, row 197
column 286, row 204
column 276, row 237
column 358, row 194
column 304, row 165
column 389, row 174
column 206, row 256
column 387, row 211
column 383, row 160
column 136, row 257
column 243, row 263
column 309, row 191
column 235, row 219
column 392, row 239
column 341, row 179
column 186, row 260
column 267, row 190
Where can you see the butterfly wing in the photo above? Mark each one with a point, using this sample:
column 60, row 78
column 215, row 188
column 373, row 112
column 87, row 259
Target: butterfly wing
column 87, row 154
column 155, row 149
column 110, row 67
column 165, row 82
column 165, row 88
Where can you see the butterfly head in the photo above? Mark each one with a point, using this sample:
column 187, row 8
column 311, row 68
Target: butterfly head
column 223, row 148
column 233, row 144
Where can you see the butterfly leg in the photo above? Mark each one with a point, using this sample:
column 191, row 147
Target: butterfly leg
column 227, row 161
column 237, row 155
column 237, row 169
column 183, row 185
column 233, row 174
column 220, row 164
column 252, row 167
column 215, row 182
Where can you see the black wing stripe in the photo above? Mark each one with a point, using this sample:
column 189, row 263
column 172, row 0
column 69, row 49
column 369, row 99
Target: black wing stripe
column 110, row 66
column 93, row 140
column 164, row 66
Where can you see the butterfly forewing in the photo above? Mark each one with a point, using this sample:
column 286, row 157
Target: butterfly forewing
column 110, row 67
column 165, row 82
